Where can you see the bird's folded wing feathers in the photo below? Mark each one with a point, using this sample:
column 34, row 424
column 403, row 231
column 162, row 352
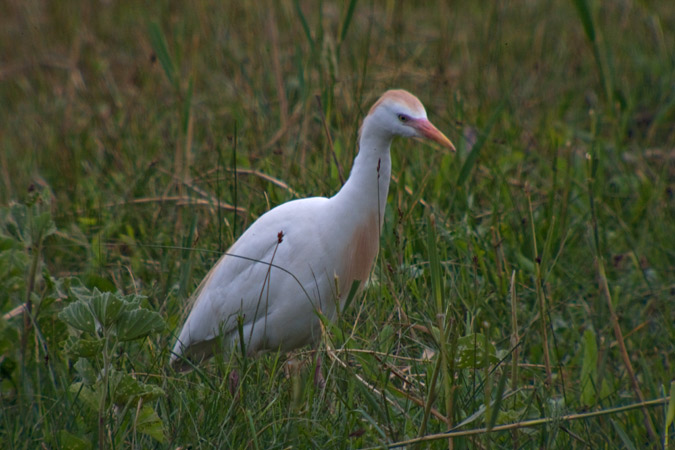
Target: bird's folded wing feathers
column 224, row 294
column 235, row 286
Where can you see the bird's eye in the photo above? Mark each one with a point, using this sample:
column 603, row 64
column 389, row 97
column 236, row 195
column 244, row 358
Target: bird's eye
column 403, row 118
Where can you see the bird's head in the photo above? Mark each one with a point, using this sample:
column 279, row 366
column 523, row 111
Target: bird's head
column 400, row 113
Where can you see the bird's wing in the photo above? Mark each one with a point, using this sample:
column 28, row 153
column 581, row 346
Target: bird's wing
column 227, row 293
column 236, row 286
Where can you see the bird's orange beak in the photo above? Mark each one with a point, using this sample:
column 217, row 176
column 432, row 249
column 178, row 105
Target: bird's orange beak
column 429, row 131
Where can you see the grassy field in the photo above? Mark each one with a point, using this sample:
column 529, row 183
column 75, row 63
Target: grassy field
column 524, row 293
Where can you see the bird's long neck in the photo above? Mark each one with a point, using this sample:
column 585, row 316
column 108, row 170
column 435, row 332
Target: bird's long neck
column 367, row 187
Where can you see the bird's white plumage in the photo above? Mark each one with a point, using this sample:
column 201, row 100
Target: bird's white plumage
column 303, row 256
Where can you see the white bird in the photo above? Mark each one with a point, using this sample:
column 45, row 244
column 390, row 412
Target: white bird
column 303, row 256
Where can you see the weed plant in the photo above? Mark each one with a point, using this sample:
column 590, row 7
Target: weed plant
column 524, row 291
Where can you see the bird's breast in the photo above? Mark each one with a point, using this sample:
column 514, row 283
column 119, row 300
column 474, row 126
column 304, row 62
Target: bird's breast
column 359, row 254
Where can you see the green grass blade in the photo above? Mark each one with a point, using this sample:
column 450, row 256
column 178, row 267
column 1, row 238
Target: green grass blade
column 305, row 25
column 498, row 399
column 347, row 21
column 480, row 143
column 441, row 312
column 434, row 265
column 623, row 436
column 584, row 13
column 144, row 142
column 353, row 290
column 588, row 368
column 252, row 428
column 188, row 260
column 161, row 49
column 187, row 108
column 670, row 415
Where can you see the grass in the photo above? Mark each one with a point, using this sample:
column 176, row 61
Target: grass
column 527, row 280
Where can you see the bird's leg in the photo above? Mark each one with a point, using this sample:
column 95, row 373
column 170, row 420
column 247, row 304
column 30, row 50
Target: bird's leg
column 233, row 384
column 319, row 380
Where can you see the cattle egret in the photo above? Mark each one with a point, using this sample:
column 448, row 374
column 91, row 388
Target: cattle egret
column 303, row 256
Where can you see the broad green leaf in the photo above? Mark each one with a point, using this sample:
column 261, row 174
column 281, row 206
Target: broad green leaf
column 79, row 316
column 85, row 371
column 132, row 301
column 78, row 291
column 16, row 222
column 8, row 243
column 100, row 282
column 82, row 348
column 86, row 395
column 148, row 422
column 106, row 307
column 68, row 441
column 27, row 224
column 43, row 226
column 138, row 323
column 127, row 388
column 472, row 351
